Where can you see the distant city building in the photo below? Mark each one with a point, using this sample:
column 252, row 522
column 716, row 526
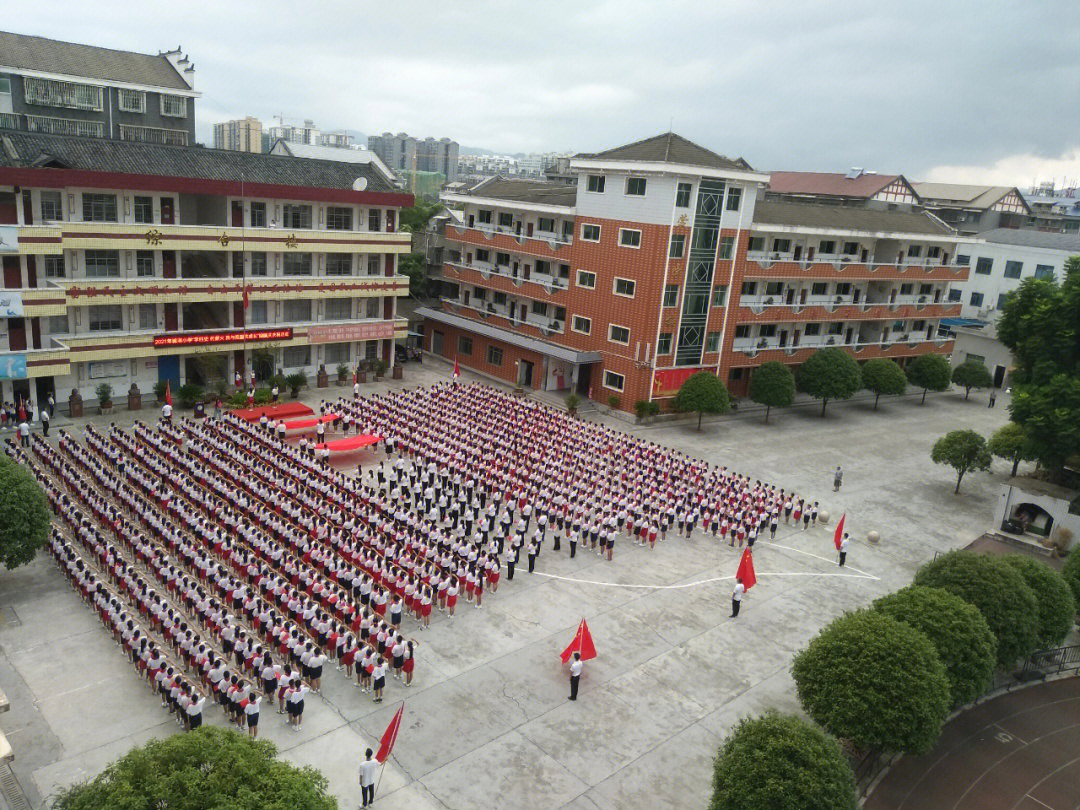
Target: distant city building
column 63, row 88
column 480, row 166
column 339, row 140
column 405, row 154
column 308, row 133
column 241, row 135
column 1054, row 210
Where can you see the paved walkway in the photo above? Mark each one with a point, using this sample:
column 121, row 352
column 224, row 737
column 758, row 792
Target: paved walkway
column 1020, row 751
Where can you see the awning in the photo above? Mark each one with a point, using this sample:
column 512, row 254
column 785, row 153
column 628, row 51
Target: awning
column 507, row 336
column 975, row 322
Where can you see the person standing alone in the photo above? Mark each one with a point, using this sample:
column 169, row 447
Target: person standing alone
column 837, row 479
column 736, row 597
column 843, row 549
column 367, row 779
column 576, row 665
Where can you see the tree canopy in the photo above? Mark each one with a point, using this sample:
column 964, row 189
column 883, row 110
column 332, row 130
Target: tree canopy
column 1071, row 572
column 1010, row 443
column 830, row 373
column 876, row 681
column 964, row 451
column 702, row 393
column 883, row 375
column 972, row 374
column 207, row 769
column 773, row 385
column 783, row 763
column 24, row 514
column 997, row 590
column 413, row 266
column 930, row 372
column 1057, row 607
column 958, row 632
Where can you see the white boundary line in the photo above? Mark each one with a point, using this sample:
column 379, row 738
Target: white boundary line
column 703, row 581
column 815, row 556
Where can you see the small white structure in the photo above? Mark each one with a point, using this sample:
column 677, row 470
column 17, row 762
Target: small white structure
column 1039, row 512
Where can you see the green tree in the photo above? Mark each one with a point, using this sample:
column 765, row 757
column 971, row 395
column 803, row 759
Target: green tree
column 997, row 590
column 964, row 451
column 702, row 393
column 930, row 372
column 416, row 218
column 1071, row 572
column 883, row 376
column 1010, row 443
column 24, row 514
column 1050, row 416
column 1057, row 607
column 878, row 682
column 773, row 385
column 208, row 769
column 972, row 374
column 414, row 267
column 781, row 762
column 830, row 373
column 958, row 632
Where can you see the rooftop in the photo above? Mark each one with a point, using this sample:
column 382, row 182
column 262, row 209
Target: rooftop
column 1038, row 239
column 526, row 191
column 669, row 148
column 961, row 194
column 33, row 150
column 835, row 217
column 24, row 52
column 829, row 184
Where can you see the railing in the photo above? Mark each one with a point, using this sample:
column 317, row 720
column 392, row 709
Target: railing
column 65, row 126
column 767, row 259
column 167, row 137
column 9, row 121
column 551, row 283
column 492, row 230
column 1056, row 661
column 753, row 347
column 546, row 325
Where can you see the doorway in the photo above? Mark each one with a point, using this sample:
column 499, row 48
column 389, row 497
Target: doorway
column 437, row 342
column 999, row 376
column 166, row 210
column 525, row 374
column 237, row 214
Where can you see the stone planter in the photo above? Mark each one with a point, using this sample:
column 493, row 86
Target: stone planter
column 823, row 517
column 873, row 538
column 75, row 404
column 361, row 376
column 105, row 409
column 134, row 398
column 341, row 382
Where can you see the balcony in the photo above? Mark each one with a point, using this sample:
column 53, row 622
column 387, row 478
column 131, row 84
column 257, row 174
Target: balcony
column 512, row 282
column 545, row 245
column 754, row 349
column 765, row 308
column 547, row 326
column 767, row 264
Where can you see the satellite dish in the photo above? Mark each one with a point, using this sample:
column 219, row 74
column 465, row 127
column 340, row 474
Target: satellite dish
column 359, row 184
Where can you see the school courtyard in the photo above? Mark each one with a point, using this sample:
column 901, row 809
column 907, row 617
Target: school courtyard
column 487, row 722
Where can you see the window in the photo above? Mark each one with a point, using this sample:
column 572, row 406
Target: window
column 1044, row 271
column 296, row 356
column 174, row 106
column 506, row 219
column 338, row 264
column 836, row 328
column 629, row 238
column 851, row 248
column 169, row 137
column 483, row 216
column 54, row 267
column 767, row 330
column 595, row 183
column 581, row 324
column 258, row 215
column 712, row 342
column 635, row 186
column 373, row 264
column 297, row 310
column 926, row 289
column 502, row 259
column 148, row 316
column 371, row 307
column 614, row 381
column 905, row 289
column 131, row 100
column 58, row 324
column 757, row 244
column 102, row 263
column 682, row 195
column 257, row 312
column 1012, row 269
column 338, row 309
column 954, row 294
column 618, row 334
column 781, row 245
column 749, row 287
column 742, row 330
column 678, row 245
column 774, row 288
column 143, row 209
column 483, row 255
column 984, row 265
column 590, row 233
column 104, row 319
column 338, row 218
column 51, row 93
column 538, row 307
column 144, row 263
column 464, row 345
column 1002, row 298
column 813, row 329
column 546, row 224
column 827, row 246
column 671, row 295
column 933, row 252
column 727, row 247
column 624, row 287
column 663, row 343
column 962, row 260
column 819, row 288
column 494, row 356
column 336, row 353
column 52, row 207
column 295, row 216
column 296, row 264
column 719, row 295
column 5, row 86
column 99, row 207
column 586, row 279
column 734, row 197
column 844, row 288
column 374, row 220
column 258, row 264
column 976, row 299
column 914, row 251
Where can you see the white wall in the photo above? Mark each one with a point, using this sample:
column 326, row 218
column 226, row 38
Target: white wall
column 993, row 285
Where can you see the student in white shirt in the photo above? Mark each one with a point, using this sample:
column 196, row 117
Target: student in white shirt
column 843, row 549
column 367, row 779
column 251, row 711
column 736, row 597
column 576, row 665
column 378, row 675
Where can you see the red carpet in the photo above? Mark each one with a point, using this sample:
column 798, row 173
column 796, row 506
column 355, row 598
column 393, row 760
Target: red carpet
column 279, row 411
column 348, row 443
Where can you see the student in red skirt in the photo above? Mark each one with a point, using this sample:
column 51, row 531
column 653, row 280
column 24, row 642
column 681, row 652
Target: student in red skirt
column 451, row 596
column 409, row 663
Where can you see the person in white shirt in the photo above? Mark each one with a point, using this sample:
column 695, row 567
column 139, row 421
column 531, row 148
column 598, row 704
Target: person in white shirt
column 736, row 596
column 251, row 711
column 576, row 665
column 367, row 779
column 378, row 675
column 24, row 433
column 843, row 549
column 166, row 412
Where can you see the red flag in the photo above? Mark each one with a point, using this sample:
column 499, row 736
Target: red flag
column 247, row 295
column 22, row 411
column 839, row 534
column 168, row 392
column 354, row 376
column 582, row 643
column 389, row 737
column 746, row 570
column 457, row 371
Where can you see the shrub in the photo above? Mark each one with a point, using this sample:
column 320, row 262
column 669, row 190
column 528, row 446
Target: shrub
column 773, row 385
column 342, row 371
column 159, row 390
column 262, row 396
column 295, row 382
column 104, row 393
column 781, row 762
column 613, row 401
column 1071, row 572
column 189, row 394
column 875, row 681
column 1057, row 607
column 572, row 402
column 997, row 590
column 958, row 632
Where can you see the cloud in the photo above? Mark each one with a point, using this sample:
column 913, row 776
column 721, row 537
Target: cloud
column 1022, row 171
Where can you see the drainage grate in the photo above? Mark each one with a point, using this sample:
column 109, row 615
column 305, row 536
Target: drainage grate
column 13, row 794
column 8, row 616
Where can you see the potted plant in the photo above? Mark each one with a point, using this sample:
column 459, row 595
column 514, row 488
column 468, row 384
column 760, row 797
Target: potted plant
column 104, row 395
column 159, row 390
column 613, row 401
column 380, row 369
column 295, row 382
column 342, row 374
column 189, row 394
column 645, row 409
column 572, row 403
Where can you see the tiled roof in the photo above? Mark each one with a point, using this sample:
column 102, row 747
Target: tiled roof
column 971, row 196
column 1031, row 238
column 27, row 149
column 840, row 217
column 25, row 52
column 670, row 148
column 829, row 184
column 526, row 191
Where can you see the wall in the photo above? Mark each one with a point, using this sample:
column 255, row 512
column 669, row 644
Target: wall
column 995, row 284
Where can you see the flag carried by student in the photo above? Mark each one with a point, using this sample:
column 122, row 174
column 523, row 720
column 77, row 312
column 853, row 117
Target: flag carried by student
column 168, row 392
column 839, row 534
column 389, row 737
column 457, row 371
column 582, row 643
column 746, row 570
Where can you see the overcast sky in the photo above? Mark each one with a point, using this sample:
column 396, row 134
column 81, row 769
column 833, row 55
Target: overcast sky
column 946, row 90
